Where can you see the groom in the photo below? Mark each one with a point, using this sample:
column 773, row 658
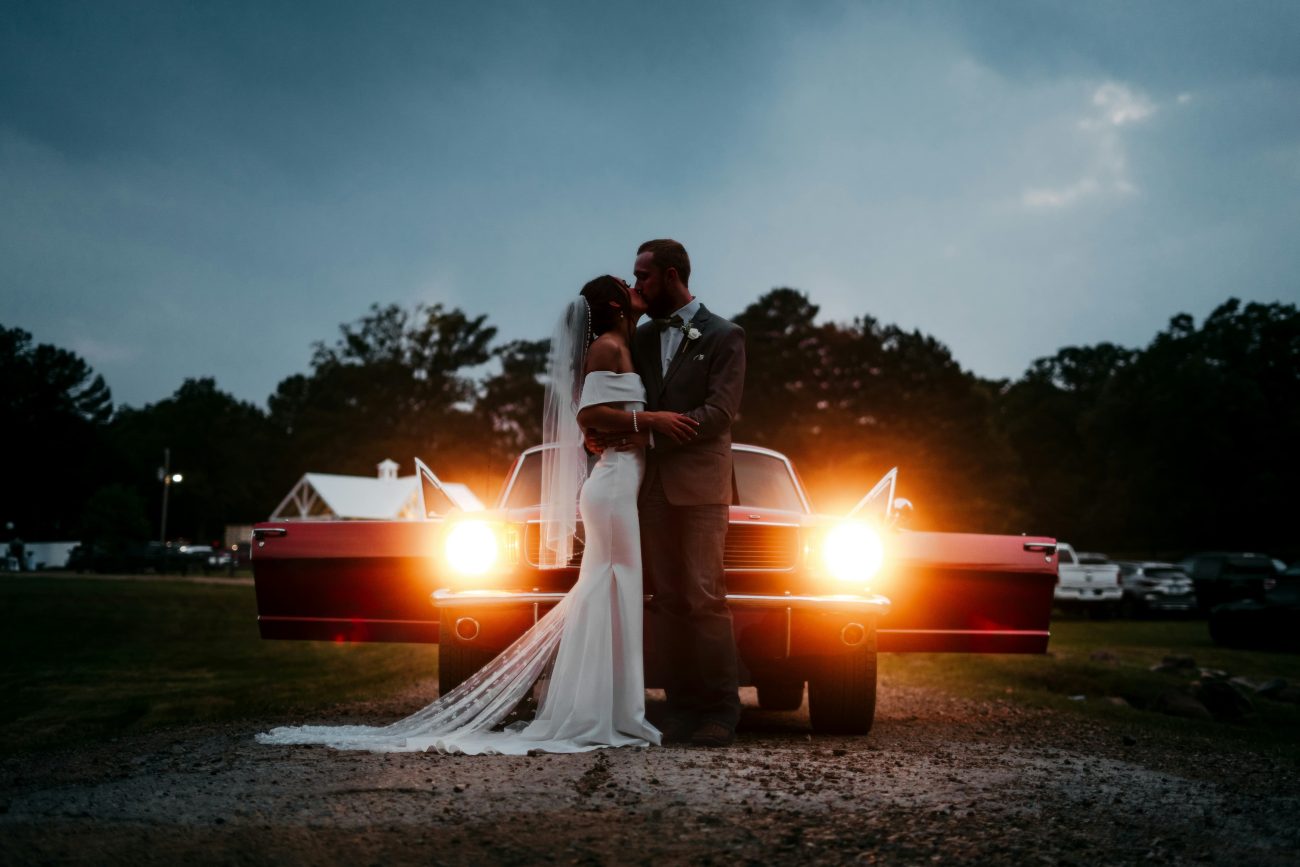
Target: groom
column 691, row 362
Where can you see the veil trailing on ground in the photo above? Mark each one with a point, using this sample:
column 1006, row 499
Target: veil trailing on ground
column 463, row 720
column 564, row 464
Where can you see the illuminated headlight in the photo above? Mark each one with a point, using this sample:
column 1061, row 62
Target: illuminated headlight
column 853, row 552
column 471, row 547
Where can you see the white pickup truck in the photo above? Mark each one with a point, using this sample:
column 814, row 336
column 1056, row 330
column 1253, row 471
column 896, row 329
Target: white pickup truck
column 1087, row 582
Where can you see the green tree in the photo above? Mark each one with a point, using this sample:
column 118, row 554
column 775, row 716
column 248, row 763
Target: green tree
column 1199, row 435
column 786, row 367
column 227, row 450
column 847, row 402
column 53, row 409
column 511, row 400
column 394, row 385
column 1049, row 417
column 113, row 525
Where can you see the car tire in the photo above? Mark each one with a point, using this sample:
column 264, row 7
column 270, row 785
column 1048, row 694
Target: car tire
column 842, row 691
column 780, row 695
column 457, row 659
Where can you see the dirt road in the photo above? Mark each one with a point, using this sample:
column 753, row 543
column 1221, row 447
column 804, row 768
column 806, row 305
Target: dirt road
column 940, row 779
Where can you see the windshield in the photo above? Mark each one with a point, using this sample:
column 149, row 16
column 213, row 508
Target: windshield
column 762, row 481
column 765, row 482
column 526, row 490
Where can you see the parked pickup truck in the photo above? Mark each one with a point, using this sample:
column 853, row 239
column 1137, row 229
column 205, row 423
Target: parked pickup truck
column 1087, row 582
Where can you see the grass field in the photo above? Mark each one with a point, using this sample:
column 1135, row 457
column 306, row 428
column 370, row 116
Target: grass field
column 89, row 659
column 1090, row 663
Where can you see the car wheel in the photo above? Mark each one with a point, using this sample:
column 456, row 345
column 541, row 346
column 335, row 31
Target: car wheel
column 780, row 695
column 457, row 659
column 842, row 692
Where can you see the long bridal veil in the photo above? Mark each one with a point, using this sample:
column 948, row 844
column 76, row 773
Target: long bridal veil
column 463, row 719
column 564, row 466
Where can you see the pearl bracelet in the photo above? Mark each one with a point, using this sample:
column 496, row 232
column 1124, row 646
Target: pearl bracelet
column 635, row 429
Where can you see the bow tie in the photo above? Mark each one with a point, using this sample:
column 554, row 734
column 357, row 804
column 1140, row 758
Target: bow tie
column 673, row 321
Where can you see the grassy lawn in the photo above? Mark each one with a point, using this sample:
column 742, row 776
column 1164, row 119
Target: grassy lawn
column 86, row 659
column 1101, row 661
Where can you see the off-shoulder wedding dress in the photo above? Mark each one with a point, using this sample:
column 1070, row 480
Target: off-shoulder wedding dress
column 590, row 643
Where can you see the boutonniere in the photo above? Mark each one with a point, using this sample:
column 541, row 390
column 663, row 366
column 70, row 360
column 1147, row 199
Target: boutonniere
column 691, row 333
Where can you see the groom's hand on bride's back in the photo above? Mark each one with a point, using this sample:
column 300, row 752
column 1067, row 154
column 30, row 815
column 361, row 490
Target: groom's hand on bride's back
column 597, row 442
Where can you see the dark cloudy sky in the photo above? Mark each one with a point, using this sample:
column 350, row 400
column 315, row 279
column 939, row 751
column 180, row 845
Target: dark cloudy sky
column 206, row 188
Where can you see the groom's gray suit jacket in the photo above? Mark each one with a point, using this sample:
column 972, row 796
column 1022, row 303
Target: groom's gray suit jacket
column 705, row 380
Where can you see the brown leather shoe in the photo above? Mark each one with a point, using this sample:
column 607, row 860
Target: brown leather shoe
column 713, row 734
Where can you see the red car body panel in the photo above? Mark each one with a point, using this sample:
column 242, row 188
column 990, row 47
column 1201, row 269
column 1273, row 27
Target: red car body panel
column 373, row 580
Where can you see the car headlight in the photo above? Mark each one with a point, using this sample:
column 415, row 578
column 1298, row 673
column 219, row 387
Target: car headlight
column 472, row 547
column 853, row 552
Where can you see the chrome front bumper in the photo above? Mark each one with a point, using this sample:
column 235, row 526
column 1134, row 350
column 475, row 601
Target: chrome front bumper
column 851, row 634
column 869, row 603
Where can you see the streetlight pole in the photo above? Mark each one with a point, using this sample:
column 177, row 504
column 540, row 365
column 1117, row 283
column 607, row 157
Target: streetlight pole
column 168, row 478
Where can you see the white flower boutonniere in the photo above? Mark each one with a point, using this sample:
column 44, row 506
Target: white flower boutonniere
column 691, row 333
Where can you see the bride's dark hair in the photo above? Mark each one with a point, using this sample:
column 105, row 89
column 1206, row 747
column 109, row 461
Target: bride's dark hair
column 601, row 294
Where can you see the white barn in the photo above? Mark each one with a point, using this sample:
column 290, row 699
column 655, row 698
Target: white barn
column 385, row 497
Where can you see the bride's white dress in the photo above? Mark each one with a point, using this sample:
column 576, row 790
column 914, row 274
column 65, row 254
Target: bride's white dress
column 595, row 692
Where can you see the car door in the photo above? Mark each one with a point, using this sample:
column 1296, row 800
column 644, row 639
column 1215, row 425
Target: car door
column 968, row 593
column 345, row 580
column 961, row 592
column 351, row 580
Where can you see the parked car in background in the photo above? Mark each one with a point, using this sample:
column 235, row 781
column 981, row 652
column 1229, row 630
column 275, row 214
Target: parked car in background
column 1151, row 588
column 814, row 597
column 1087, row 582
column 1269, row 623
column 1219, row 577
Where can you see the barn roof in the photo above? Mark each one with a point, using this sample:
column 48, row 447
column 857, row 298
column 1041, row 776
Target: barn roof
column 388, row 497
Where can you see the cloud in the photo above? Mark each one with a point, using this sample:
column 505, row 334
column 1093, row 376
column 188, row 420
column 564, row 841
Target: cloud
column 1059, row 197
column 1114, row 106
column 99, row 352
column 1118, row 105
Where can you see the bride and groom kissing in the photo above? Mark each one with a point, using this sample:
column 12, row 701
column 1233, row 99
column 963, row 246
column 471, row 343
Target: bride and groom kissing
column 654, row 403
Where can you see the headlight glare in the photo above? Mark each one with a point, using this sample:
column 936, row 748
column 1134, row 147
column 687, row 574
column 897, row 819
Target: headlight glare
column 853, row 552
column 472, row 547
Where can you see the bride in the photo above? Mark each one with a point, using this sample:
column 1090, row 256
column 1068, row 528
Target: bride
column 585, row 654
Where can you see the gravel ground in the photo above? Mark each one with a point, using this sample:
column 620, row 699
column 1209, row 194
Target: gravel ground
column 940, row 779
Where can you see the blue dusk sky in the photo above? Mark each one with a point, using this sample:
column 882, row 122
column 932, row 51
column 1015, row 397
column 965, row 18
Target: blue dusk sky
column 192, row 189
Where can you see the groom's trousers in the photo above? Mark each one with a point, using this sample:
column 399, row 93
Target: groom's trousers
column 689, row 622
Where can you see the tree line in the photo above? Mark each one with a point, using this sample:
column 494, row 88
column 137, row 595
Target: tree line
column 1186, row 443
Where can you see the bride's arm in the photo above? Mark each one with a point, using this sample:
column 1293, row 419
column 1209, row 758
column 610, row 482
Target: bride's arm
column 602, row 417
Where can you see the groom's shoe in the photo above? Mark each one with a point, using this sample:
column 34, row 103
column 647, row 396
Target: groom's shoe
column 713, row 734
column 679, row 731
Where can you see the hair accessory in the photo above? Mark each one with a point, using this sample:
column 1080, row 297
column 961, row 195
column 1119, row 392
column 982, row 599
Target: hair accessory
column 590, row 337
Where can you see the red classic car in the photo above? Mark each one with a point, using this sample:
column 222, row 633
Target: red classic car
column 814, row 597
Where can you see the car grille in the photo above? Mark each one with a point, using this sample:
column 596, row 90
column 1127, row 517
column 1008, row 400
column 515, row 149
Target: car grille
column 749, row 547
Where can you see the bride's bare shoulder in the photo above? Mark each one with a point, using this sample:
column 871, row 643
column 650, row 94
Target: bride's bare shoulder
column 607, row 354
